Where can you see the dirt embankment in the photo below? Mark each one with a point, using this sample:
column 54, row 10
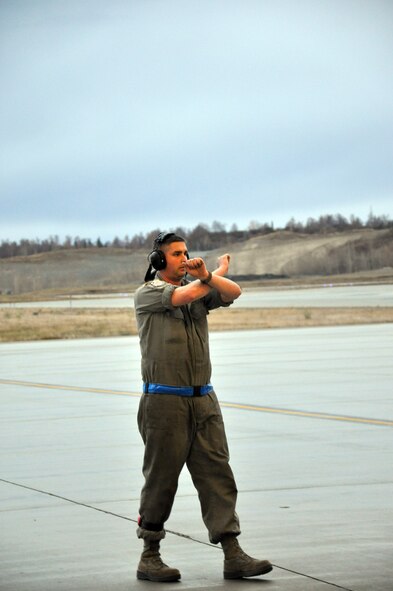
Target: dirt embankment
column 279, row 254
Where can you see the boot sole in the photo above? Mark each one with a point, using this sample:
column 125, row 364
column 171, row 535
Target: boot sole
column 145, row 577
column 251, row 573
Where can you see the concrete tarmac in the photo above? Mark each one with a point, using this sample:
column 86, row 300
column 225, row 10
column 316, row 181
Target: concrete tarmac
column 309, row 419
column 328, row 295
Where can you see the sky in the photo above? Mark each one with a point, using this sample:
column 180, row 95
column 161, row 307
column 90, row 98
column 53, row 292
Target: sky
column 121, row 117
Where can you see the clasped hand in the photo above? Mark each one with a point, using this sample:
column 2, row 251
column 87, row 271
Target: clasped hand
column 196, row 268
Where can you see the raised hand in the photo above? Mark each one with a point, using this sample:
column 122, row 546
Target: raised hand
column 196, row 268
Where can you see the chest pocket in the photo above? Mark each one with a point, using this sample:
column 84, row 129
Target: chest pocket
column 198, row 310
column 176, row 313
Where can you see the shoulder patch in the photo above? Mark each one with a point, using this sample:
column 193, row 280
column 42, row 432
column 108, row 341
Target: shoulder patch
column 157, row 283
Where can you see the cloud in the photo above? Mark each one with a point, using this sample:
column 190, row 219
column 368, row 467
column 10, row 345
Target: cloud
column 154, row 114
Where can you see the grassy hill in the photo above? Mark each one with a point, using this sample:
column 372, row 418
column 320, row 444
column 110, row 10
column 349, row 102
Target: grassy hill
column 280, row 253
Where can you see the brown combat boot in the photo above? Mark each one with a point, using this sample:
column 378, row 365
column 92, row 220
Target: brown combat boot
column 238, row 564
column 151, row 567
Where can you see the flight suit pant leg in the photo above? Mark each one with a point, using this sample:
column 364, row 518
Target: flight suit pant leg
column 208, row 464
column 164, row 424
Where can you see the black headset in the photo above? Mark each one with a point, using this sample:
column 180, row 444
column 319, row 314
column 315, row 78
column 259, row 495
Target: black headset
column 157, row 257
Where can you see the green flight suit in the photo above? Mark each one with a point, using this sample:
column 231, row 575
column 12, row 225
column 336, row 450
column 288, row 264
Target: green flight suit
column 179, row 430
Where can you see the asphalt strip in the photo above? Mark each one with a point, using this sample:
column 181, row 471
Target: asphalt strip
column 179, row 534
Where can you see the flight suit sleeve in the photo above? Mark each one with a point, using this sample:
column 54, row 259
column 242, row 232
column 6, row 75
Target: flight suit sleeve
column 155, row 296
column 213, row 300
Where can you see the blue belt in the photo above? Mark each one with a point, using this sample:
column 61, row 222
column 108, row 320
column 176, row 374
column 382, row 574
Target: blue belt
column 177, row 390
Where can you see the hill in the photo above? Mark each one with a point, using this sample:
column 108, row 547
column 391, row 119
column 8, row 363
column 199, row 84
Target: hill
column 278, row 254
column 292, row 254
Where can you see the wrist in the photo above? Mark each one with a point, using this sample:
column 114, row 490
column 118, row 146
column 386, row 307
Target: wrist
column 207, row 279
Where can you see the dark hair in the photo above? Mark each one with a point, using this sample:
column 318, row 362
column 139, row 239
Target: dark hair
column 166, row 238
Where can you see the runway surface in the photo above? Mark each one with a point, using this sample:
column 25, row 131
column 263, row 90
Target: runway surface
column 309, row 419
column 322, row 296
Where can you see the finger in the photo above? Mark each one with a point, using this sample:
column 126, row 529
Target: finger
column 194, row 263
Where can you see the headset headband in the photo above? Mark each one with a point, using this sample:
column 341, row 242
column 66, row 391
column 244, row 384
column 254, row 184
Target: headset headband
column 162, row 237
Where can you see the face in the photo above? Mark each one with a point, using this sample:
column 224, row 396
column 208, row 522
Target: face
column 176, row 258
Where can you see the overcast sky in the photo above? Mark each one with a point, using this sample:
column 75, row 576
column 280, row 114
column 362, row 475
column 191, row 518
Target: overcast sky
column 125, row 116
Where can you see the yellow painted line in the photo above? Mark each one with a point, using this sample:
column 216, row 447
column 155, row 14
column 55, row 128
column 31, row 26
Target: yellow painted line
column 308, row 414
column 67, row 388
column 234, row 405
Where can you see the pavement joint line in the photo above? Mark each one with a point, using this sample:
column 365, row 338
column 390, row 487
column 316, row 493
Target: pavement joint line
column 232, row 405
column 44, row 492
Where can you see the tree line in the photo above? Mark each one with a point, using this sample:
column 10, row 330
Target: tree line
column 202, row 237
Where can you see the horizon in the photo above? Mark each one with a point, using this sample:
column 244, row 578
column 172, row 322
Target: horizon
column 253, row 226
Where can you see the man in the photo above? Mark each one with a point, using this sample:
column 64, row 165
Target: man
column 179, row 417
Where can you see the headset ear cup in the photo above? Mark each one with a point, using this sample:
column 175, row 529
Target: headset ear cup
column 157, row 260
